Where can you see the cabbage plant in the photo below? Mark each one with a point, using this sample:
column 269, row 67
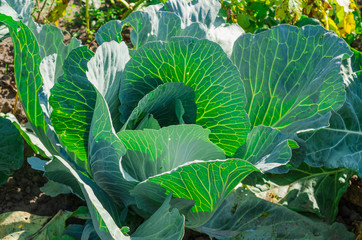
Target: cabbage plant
column 197, row 126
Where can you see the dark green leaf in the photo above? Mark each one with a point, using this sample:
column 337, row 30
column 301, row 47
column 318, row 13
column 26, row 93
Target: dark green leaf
column 162, row 104
column 244, row 216
column 291, row 76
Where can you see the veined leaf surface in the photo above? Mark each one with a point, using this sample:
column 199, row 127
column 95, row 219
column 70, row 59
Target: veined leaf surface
column 291, row 76
column 105, row 152
column 166, row 223
column 244, row 216
column 151, row 152
column 202, row 65
column 104, row 71
column 306, row 189
column 103, row 210
column 73, row 99
column 162, row 104
column 206, row 182
column 340, row 144
column 267, row 149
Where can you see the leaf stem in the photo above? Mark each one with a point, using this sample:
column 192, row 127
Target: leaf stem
column 132, row 8
column 16, row 101
column 87, row 17
column 41, row 9
column 123, row 2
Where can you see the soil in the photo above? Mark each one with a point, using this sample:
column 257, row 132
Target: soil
column 22, row 190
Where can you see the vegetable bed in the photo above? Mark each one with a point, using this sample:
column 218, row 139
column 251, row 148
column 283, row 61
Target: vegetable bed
column 195, row 125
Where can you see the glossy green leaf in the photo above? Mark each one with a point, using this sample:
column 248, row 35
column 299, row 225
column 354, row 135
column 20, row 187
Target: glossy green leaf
column 17, row 10
column 201, row 65
column 206, row 182
column 148, row 122
column 73, row 99
column 104, row 212
column 151, row 152
column 39, row 55
column 104, row 71
column 105, row 151
column 50, row 40
column 267, row 149
column 27, row 74
column 340, row 144
column 111, row 31
column 174, row 18
column 200, row 19
column 11, row 147
column 291, row 76
column 244, row 216
column 204, row 11
column 31, row 139
column 165, row 223
column 162, row 104
column 54, row 189
column 306, row 189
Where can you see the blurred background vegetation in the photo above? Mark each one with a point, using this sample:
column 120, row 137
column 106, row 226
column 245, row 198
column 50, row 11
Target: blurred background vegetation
column 340, row 16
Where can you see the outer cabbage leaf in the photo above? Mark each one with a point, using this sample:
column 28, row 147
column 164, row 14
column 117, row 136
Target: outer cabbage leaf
column 82, row 119
column 74, row 95
column 18, row 10
column 111, row 31
column 33, row 226
column 244, row 216
column 39, row 54
column 73, row 99
column 291, row 76
column 146, row 26
column 305, row 189
column 11, row 148
column 340, row 144
column 267, row 149
column 152, row 152
column 180, row 159
column 201, row 16
column 31, row 139
column 104, row 72
column 206, row 182
column 163, row 224
column 27, row 74
column 50, row 40
column 105, row 152
column 163, row 103
column 174, row 18
column 104, row 212
column 202, row 65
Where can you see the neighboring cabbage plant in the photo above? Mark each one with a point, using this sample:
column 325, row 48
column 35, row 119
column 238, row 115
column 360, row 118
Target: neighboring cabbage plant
column 158, row 138
column 11, row 147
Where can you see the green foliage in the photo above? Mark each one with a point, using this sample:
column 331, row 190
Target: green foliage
column 23, row 225
column 343, row 17
column 161, row 135
column 11, row 148
column 251, row 14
